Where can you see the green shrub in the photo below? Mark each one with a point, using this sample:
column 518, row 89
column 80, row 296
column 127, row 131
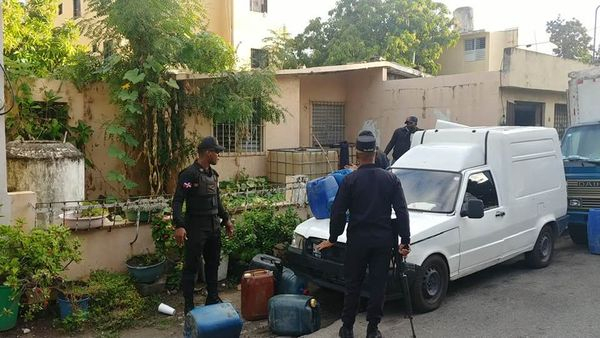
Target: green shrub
column 115, row 302
column 259, row 230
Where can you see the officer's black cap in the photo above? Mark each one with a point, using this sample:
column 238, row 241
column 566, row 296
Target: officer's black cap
column 210, row 143
column 365, row 142
column 411, row 120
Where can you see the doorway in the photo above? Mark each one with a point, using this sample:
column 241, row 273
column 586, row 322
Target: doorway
column 524, row 113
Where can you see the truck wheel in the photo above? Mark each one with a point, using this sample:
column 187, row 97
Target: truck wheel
column 541, row 255
column 578, row 233
column 431, row 284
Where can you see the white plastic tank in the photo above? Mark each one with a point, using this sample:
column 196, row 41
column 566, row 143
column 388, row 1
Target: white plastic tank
column 463, row 17
column 55, row 171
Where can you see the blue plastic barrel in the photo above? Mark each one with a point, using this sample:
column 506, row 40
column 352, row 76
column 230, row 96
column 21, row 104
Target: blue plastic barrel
column 290, row 283
column 593, row 231
column 213, row 321
column 294, row 315
column 321, row 193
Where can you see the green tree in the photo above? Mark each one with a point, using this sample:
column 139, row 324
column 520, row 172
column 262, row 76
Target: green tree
column 571, row 39
column 409, row 32
column 32, row 45
column 280, row 48
column 150, row 43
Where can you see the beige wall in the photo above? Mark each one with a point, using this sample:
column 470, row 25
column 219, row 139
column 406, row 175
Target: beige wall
column 550, row 99
column 498, row 42
column 318, row 87
column 472, row 99
column 527, row 69
column 22, row 205
column 108, row 250
column 453, row 61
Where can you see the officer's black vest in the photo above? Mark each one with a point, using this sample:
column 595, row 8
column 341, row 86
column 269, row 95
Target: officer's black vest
column 208, row 203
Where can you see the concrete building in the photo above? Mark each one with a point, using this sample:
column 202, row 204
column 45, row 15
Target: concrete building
column 242, row 23
column 476, row 50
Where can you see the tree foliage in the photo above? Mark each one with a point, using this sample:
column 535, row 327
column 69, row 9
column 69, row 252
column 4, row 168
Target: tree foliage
column 281, row 50
column 32, row 45
column 410, row 32
column 571, row 39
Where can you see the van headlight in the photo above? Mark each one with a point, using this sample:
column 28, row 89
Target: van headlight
column 298, row 241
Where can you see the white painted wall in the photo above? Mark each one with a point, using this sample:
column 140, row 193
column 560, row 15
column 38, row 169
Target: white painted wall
column 4, row 201
column 250, row 28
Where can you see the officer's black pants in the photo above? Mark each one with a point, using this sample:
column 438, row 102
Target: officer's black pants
column 200, row 244
column 358, row 257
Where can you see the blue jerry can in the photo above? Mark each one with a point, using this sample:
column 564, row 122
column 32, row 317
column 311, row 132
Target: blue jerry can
column 321, row 193
column 593, row 231
column 213, row 321
column 290, row 283
column 339, row 175
column 294, row 315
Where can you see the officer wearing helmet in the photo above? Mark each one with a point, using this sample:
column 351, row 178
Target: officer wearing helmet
column 400, row 141
column 199, row 230
column 368, row 193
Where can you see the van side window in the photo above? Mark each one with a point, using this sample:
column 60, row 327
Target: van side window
column 481, row 186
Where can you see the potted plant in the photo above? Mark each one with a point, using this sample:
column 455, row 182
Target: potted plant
column 87, row 215
column 145, row 209
column 73, row 298
column 146, row 268
column 30, row 265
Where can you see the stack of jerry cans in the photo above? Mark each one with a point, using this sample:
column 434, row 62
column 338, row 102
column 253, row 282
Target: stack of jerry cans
column 213, row 321
column 294, row 315
column 258, row 286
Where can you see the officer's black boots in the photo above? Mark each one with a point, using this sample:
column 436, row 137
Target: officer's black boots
column 188, row 307
column 346, row 332
column 373, row 331
column 213, row 300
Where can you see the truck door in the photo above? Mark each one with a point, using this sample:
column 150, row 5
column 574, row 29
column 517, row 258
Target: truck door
column 481, row 240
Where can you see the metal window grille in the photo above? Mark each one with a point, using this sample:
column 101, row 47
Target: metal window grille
column 249, row 139
column 76, row 8
column 328, row 122
column 258, row 6
column 258, row 58
column 561, row 118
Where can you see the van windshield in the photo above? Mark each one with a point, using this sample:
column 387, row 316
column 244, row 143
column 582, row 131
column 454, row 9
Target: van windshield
column 428, row 190
column 581, row 143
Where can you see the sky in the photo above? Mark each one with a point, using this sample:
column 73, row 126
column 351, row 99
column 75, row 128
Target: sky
column 530, row 16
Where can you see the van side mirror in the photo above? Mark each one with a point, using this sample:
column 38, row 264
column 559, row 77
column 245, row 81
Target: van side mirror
column 473, row 208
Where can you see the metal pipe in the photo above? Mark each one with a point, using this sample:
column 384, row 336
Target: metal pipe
column 595, row 22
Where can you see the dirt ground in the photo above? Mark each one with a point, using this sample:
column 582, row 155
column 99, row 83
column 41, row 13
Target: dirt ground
column 163, row 326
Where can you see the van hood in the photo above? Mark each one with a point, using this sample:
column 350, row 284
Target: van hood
column 422, row 226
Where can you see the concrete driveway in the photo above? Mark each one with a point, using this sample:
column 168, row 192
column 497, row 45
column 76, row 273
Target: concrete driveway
column 509, row 300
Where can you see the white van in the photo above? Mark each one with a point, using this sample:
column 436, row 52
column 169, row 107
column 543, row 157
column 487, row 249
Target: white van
column 476, row 197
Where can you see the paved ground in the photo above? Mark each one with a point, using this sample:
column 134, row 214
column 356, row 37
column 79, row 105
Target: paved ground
column 509, row 300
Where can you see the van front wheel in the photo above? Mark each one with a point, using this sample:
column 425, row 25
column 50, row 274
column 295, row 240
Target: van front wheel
column 541, row 255
column 431, row 284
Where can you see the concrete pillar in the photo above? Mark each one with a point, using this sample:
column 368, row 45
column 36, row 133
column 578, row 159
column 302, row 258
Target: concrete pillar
column 4, row 199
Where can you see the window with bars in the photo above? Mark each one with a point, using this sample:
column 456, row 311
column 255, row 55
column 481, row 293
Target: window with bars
column 561, row 118
column 246, row 139
column 60, row 9
column 258, row 58
column 328, row 122
column 475, row 49
column 76, row 8
column 259, row 6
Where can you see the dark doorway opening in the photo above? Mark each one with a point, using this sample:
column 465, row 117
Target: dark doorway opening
column 522, row 113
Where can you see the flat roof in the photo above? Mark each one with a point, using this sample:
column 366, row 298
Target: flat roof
column 392, row 67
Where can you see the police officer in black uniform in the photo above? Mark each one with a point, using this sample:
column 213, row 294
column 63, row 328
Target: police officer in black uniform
column 400, row 141
column 369, row 193
column 381, row 160
column 200, row 229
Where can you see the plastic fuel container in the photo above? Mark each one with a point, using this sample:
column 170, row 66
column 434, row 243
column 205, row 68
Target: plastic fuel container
column 294, row 315
column 213, row 321
column 257, row 287
column 321, row 193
